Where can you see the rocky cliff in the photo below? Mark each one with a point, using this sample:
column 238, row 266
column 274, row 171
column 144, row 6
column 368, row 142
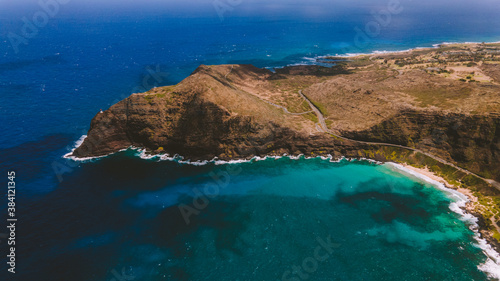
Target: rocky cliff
column 471, row 141
column 240, row 111
column 205, row 117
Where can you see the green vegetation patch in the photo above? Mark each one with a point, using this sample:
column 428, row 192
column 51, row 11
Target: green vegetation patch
column 321, row 107
column 149, row 98
column 311, row 116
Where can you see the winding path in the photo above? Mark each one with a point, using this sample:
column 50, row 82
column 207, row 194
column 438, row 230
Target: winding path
column 284, row 108
column 324, row 128
column 232, row 66
column 273, row 104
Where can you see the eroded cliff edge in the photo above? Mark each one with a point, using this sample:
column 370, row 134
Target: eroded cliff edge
column 416, row 99
column 216, row 112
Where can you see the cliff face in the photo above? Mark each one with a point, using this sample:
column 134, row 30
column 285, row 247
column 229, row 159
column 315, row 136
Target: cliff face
column 203, row 118
column 240, row 111
column 472, row 141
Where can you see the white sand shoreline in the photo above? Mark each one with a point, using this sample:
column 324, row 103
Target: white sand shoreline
column 465, row 209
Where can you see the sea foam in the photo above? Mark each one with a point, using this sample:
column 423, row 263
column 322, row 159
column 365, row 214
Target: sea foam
column 378, row 52
column 492, row 264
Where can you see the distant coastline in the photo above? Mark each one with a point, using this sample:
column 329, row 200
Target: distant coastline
column 434, row 46
column 317, row 59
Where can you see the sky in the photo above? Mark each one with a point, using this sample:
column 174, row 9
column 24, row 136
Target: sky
column 212, row 8
column 13, row 11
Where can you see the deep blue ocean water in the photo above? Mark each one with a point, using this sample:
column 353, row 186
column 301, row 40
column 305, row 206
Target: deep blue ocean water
column 118, row 217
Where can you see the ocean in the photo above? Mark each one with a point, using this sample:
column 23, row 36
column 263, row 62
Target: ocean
column 127, row 217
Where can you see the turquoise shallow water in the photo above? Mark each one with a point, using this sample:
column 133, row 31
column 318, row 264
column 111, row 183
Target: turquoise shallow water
column 266, row 219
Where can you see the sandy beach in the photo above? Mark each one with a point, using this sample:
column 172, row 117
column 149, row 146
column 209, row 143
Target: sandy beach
column 492, row 249
column 426, row 172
